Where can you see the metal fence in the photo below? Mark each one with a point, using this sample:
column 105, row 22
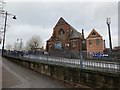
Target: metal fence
column 99, row 64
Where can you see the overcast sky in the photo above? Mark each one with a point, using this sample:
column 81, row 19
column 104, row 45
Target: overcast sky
column 39, row 18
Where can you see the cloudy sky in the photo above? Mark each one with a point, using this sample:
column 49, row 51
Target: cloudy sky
column 39, row 18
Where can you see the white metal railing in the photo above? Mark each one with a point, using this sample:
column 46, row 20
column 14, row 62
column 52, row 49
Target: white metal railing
column 87, row 64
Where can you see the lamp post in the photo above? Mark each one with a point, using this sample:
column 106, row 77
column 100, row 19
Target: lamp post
column 4, row 32
column 110, row 42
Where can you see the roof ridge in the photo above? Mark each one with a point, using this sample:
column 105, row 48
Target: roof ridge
column 93, row 31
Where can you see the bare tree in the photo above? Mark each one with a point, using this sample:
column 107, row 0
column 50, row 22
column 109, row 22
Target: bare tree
column 16, row 46
column 8, row 46
column 34, row 43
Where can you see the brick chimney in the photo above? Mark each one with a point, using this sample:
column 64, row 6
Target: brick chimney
column 83, row 34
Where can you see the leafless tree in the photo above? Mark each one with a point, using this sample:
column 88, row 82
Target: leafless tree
column 8, row 46
column 34, row 43
column 16, row 46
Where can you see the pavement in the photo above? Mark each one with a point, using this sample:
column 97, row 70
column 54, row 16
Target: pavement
column 13, row 75
column 17, row 76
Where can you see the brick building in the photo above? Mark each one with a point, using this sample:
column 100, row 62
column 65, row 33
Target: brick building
column 95, row 43
column 65, row 39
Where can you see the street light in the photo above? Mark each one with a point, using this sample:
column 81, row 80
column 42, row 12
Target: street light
column 14, row 17
column 108, row 21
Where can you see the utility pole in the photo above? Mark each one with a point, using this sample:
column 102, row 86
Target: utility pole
column 110, row 42
column 4, row 33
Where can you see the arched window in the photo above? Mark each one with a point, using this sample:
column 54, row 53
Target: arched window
column 61, row 31
column 58, row 45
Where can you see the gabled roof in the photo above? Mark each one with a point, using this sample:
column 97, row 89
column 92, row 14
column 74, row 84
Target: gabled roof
column 61, row 21
column 73, row 32
column 93, row 34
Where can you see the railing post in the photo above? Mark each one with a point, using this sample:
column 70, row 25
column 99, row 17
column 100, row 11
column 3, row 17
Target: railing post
column 81, row 65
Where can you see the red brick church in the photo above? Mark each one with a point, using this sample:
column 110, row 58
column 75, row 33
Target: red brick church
column 65, row 38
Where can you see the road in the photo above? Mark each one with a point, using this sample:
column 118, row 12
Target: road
column 16, row 76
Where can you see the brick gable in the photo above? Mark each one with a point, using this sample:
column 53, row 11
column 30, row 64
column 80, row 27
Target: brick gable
column 66, row 36
column 95, row 43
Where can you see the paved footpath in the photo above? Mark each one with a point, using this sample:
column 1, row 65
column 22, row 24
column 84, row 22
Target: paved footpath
column 13, row 75
column 16, row 76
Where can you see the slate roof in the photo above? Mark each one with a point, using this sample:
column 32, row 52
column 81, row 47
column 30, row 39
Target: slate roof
column 74, row 33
